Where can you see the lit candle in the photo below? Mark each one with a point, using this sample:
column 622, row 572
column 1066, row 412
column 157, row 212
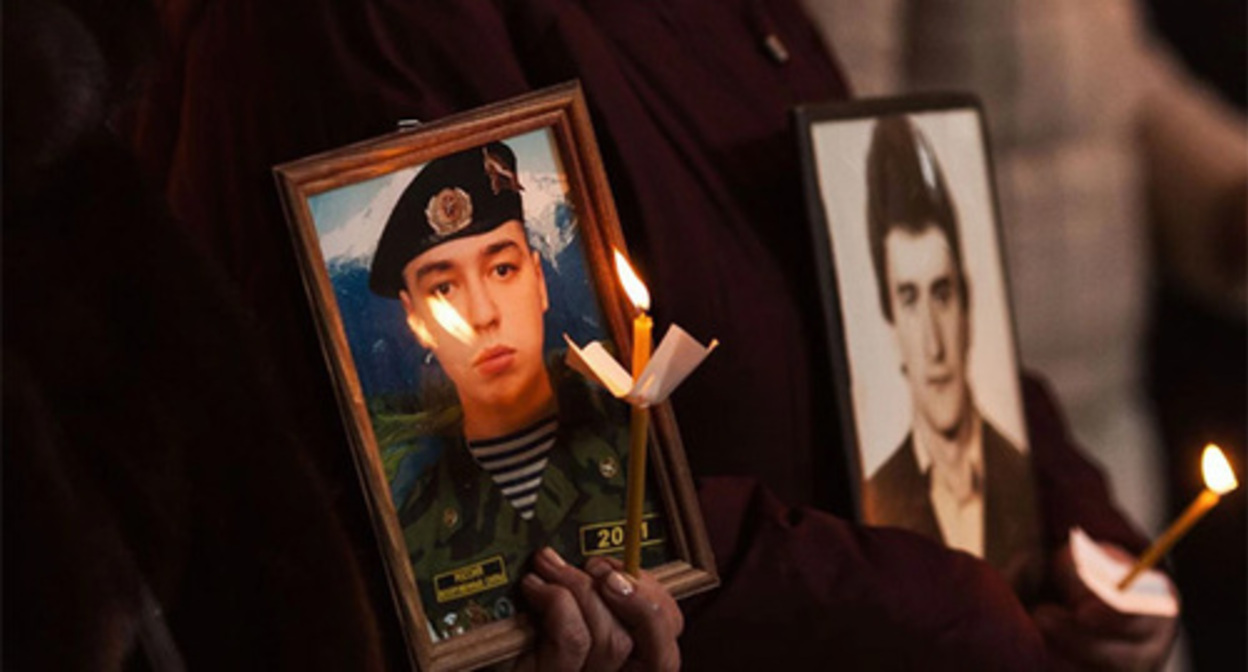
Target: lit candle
column 640, row 419
column 1219, row 480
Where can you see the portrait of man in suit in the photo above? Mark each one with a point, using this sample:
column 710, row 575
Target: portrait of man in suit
column 955, row 478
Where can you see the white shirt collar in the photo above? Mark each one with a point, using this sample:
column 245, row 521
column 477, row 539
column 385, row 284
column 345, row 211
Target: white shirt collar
column 975, row 445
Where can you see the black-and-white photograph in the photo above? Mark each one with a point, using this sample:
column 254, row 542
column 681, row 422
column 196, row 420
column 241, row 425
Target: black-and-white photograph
column 920, row 324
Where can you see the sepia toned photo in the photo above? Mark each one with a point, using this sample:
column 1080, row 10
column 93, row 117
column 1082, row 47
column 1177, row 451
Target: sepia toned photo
column 449, row 266
column 920, row 318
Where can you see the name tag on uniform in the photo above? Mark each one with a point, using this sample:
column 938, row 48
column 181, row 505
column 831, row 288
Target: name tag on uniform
column 603, row 538
column 470, row 579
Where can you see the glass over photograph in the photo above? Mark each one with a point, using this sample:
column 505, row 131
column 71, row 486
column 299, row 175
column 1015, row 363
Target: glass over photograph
column 456, row 281
column 928, row 340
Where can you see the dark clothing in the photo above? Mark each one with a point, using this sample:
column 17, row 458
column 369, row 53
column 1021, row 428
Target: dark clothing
column 877, row 598
column 804, row 590
column 898, row 495
column 692, row 116
column 151, row 481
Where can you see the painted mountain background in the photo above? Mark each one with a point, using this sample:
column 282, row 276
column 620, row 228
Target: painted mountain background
column 387, row 357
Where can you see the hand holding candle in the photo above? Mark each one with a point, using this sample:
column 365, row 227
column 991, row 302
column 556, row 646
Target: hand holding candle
column 1219, row 480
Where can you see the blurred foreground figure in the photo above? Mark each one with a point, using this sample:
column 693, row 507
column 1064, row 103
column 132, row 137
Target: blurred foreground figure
column 158, row 513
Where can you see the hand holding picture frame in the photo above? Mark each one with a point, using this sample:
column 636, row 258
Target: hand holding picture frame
column 907, row 238
column 445, row 265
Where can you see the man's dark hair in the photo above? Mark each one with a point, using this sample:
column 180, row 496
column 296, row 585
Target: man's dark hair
column 906, row 190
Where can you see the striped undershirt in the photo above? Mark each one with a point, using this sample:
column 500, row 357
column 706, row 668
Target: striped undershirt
column 516, row 462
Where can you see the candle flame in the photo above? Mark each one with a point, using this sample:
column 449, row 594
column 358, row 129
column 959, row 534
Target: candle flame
column 450, row 319
column 636, row 290
column 1218, row 475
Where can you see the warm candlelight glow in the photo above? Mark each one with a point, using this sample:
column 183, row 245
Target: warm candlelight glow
column 450, row 319
column 640, row 417
column 1217, row 471
column 645, row 384
column 637, row 292
column 1219, row 480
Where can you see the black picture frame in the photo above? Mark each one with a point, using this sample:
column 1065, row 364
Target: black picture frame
column 895, row 381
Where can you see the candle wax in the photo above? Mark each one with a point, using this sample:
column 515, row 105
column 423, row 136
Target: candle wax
column 638, row 431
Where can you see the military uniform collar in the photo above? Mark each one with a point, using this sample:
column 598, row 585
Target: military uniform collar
column 558, row 492
column 471, row 494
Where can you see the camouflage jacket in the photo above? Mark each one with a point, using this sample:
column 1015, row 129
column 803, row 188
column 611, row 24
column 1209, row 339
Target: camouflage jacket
column 469, row 547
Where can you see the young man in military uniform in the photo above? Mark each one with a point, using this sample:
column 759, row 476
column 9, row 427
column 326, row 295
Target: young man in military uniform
column 532, row 461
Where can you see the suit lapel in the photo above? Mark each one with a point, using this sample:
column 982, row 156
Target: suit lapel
column 917, row 489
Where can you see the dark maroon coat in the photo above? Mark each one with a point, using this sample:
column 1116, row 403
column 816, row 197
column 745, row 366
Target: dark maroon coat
column 692, row 113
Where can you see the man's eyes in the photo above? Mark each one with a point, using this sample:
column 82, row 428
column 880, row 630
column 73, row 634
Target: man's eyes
column 504, row 270
column 443, row 288
column 908, row 295
column 440, row 288
column 942, row 293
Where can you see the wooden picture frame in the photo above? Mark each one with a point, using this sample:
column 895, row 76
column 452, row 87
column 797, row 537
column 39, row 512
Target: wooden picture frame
column 395, row 409
column 906, row 232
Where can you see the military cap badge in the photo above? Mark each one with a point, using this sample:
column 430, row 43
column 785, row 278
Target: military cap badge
column 501, row 177
column 449, row 211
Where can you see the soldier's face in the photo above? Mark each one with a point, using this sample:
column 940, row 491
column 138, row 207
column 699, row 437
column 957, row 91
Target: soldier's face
column 494, row 283
column 930, row 322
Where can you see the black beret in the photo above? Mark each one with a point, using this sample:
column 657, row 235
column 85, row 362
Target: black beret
column 465, row 194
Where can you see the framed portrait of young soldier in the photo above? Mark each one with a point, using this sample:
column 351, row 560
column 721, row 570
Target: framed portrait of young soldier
column 447, row 264
column 907, row 238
